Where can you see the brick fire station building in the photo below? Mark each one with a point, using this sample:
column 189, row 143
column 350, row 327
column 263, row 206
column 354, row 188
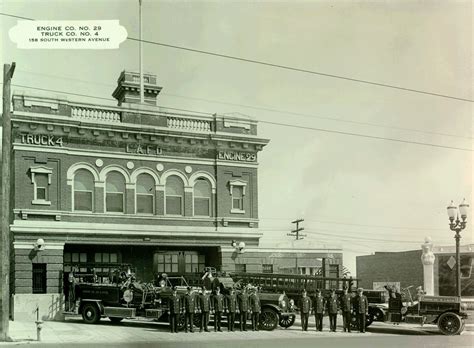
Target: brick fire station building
column 98, row 186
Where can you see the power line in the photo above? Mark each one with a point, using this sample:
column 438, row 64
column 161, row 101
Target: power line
column 275, row 123
column 285, row 67
column 364, row 135
column 362, row 225
column 260, row 108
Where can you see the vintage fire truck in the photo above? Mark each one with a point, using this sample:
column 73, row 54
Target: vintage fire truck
column 131, row 299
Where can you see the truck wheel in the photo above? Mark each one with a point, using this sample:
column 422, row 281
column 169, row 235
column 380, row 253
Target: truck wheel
column 115, row 320
column 268, row 319
column 181, row 322
column 369, row 319
column 450, row 323
column 377, row 314
column 197, row 320
column 90, row 313
column 287, row 320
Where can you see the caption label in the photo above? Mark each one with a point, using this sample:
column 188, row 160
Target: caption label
column 100, row 34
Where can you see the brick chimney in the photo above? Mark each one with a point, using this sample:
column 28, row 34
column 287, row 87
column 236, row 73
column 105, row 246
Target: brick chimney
column 128, row 88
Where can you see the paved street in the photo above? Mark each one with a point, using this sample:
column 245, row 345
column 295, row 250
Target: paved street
column 134, row 333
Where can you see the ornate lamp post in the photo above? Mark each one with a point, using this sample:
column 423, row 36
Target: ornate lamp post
column 457, row 226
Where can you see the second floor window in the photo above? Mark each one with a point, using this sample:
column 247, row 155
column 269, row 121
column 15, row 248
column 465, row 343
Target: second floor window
column 115, row 193
column 237, row 198
column 202, row 198
column 83, row 190
column 174, row 191
column 145, row 194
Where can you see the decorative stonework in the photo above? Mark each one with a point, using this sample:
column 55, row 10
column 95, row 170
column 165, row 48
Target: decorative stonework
column 188, row 169
column 130, row 165
column 95, row 114
column 99, row 163
column 428, row 259
column 160, row 167
column 189, row 124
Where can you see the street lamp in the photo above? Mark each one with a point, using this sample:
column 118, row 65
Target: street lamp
column 457, row 226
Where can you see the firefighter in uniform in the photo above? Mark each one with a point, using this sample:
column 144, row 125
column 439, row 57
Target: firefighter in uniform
column 361, row 308
column 175, row 310
column 204, row 305
column 243, row 309
column 346, row 308
column 305, row 309
column 319, row 306
column 231, row 309
column 255, row 308
column 333, row 306
column 218, row 306
column 190, row 308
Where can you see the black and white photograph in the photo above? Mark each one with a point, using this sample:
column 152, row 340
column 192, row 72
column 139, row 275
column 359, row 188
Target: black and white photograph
column 236, row 173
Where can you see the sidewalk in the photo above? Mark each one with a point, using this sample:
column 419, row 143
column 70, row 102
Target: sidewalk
column 73, row 330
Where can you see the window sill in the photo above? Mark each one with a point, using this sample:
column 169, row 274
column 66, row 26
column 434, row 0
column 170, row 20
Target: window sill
column 40, row 202
column 237, row 211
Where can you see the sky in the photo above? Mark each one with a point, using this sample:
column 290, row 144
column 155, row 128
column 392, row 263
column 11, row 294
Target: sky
column 356, row 192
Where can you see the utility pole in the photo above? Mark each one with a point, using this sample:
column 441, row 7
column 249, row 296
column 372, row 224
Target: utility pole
column 142, row 91
column 5, row 205
column 296, row 233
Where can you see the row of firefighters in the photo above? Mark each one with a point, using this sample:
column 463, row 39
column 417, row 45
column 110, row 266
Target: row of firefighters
column 248, row 303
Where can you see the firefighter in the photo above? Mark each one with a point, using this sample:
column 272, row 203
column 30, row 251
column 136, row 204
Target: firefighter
column 305, row 308
column 346, row 308
column 243, row 308
column 175, row 310
column 319, row 306
column 255, row 308
column 332, row 304
column 361, row 309
column 204, row 304
column 190, row 308
column 232, row 307
column 218, row 307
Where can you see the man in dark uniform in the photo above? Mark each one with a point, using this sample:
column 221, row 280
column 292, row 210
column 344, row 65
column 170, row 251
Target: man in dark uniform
column 175, row 310
column 346, row 307
column 204, row 305
column 190, row 308
column 305, row 309
column 332, row 304
column 255, row 308
column 231, row 309
column 319, row 306
column 218, row 306
column 243, row 309
column 361, row 308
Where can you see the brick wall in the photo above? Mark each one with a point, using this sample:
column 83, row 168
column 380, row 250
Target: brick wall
column 404, row 267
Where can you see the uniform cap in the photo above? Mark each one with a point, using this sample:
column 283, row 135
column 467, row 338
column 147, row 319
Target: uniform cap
column 360, row 290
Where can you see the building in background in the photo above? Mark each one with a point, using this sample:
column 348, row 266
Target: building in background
column 405, row 268
column 99, row 188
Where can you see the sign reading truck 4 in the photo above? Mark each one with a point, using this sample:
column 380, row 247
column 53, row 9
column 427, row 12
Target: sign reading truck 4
column 41, row 139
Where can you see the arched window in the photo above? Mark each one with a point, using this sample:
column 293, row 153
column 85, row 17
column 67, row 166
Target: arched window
column 115, row 192
column 174, row 191
column 145, row 194
column 83, row 190
column 202, row 197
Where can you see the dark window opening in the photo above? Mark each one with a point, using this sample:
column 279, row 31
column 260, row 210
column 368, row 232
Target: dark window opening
column 39, row 278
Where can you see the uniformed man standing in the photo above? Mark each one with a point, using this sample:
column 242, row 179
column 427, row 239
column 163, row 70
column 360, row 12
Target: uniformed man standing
column 361, row 308
column 255, row 308
column 175, row 310
column 218, row 306
column 243, row 308
column 319, row 306
column 305, row 309
column 190, row 308
column 204, row 305
column 333, row 305
column 231, row 309
column 346, row 307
